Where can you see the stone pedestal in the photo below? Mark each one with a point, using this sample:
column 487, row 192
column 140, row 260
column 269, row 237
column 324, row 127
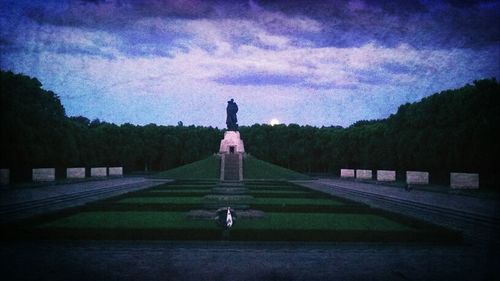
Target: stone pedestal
column 232, row 143
column 231, row 151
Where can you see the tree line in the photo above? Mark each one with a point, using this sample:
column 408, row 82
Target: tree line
column 455, row 130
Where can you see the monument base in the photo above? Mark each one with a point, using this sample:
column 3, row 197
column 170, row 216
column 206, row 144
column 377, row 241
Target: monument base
column 231, row 151
column 232, row 143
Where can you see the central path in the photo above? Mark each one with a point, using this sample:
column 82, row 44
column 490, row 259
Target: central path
column 232, row 167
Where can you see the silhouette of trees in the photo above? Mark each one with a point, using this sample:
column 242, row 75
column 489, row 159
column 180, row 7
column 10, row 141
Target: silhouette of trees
column 455, row 130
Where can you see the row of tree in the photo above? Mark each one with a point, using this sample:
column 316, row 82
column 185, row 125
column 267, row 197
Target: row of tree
column 456, row 130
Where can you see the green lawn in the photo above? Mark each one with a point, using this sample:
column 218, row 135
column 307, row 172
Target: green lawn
column 256, row 201
column 184, row 186
column 178, row 220
column 291, row 213
column 169, row 191
column 133, row 220
column 295, row 201
column 323, row 221
column 254, row 168
column 278, row 191
column 207, row 168
column 162, row 200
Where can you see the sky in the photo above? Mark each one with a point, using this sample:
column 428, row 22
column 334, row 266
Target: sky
column 319, row 63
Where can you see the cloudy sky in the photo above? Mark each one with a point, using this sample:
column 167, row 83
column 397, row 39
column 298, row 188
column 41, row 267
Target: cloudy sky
column 320, row 63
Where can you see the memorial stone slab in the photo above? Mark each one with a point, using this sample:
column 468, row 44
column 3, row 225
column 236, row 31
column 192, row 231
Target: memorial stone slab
column 4, row 176
column 75, row 173
column 115, row 171
column 464, row 180
column 44, row 174
column 385, row 175
column 347, row 173
column 415, row 177
column 364, row 174
column 98, row 172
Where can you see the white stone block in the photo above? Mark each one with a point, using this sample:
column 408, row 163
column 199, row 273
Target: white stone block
column 364, row 174
column 464, row 180
column 4, row 176
column 347, row 173
column 75, row 173
column 115, row 171
column 231, row 141
column 98, row 172
column 385, row 175
column 44, row 174
column 414, row 177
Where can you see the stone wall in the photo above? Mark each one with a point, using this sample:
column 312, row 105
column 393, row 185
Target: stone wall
column 384, row 175
column 364, row 174
column 347, row 173
column 44, row 174
column 464, row 180
column 75, row 173
column 98, row 172
column 115, row 171
column 414, row 177
column 4, row 176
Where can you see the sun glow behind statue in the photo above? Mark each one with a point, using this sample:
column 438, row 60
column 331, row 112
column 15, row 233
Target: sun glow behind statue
column 274, row 121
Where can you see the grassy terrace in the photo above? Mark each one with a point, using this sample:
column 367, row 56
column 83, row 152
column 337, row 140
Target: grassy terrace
column 292, row 213
column 177, row 220
column 254, row 168
column 207, row 169
column 254, row 202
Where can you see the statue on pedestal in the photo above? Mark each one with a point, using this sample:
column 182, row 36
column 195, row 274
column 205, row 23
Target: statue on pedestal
column 231, row 119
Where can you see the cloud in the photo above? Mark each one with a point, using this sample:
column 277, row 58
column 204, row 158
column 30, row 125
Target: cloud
column 421, row 24
column 63, row 40
column 260, row 79
column 303, row 62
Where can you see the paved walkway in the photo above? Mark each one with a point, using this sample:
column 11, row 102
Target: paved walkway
column 26, row 202
column 477, row 218
column 226, row 261
column 456, row 202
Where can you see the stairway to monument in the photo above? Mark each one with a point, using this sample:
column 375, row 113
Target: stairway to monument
column 232, row 167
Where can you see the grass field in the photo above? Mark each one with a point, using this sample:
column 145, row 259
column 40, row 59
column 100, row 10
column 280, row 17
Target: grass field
column 253, row 168
column 207, row 168
column 292, row 213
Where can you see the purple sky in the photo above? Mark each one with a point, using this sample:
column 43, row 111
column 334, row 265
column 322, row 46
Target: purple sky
column 305, row 62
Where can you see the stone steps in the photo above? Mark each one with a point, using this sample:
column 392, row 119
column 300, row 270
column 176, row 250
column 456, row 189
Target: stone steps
column 232, row 167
